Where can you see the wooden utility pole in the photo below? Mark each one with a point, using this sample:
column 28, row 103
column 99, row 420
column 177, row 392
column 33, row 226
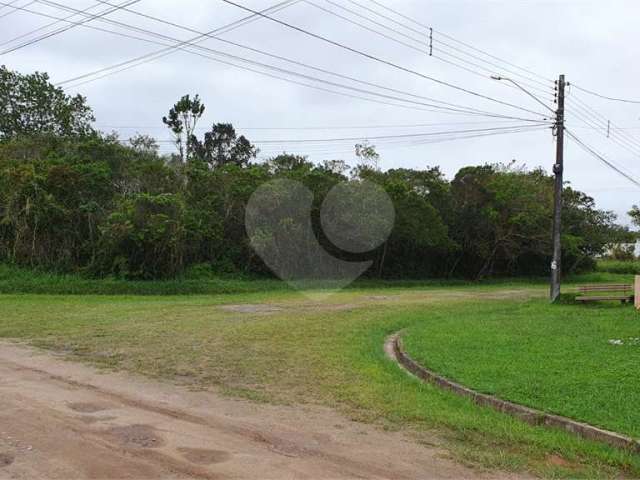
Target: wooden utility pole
column 557, row 200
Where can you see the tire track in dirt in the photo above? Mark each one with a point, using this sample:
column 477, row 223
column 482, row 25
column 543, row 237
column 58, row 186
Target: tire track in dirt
column 85, row 424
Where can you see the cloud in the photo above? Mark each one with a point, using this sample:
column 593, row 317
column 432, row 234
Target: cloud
column 592, row 42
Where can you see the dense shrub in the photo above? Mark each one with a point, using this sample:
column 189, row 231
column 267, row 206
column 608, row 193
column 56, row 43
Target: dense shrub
column 619, row 266
column 72, row 199
column 92, row 204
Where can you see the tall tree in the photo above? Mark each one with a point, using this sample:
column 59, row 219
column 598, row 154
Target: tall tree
column 221, row 146
column 31, row 105
column 144, row 144
column 367, row 155
column 634, row 213
column 182, row 120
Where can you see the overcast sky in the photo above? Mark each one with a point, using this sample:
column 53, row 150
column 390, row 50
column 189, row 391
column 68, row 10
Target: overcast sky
column 594, row 43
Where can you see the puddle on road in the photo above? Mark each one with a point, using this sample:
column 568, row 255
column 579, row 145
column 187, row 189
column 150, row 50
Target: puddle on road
column 87, row 407
column 203, row 456
column 6, row 459
column 136, row 436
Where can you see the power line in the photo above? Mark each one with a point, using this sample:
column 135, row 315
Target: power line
column 178, row 46
column 380, row 60
column 92, row 27
column 336, row 92
column 409, row 37
column 485, row 76
column 424, row 45
column 456, row 109
column 466, row 110
column 386, row 17
column 44, row 27
column 613, row 99
column 412, row 20
column 137, row 61
column 72, row 24
column 14, row 11
column 426, row 29
column 383, row 137
column 330, row 145
column 401, row 143
column 591, row 117
column 547, row 87
column 295, row 62
column 608, row 129
column 612, row 135
column 322, row 127
column 606, row 121
column 139, row 29
column 10, row 3
column 621, row 143
column 597, row 155
column 325, row 71
column 446, row 45
column 617, row 128
column 422, row 49
column 339, row 149
column 263, row 65
column 527, row 92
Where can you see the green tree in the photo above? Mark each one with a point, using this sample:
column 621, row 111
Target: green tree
column 502, row 220
column 73, row 199
column 634, row 213
column 144, row 144
column 51, row 205
column 144, row 237
column 222, row 146
column 31, row 105
column 182, row 120
column 419, row 244
column 587, row 231
column 367, row 155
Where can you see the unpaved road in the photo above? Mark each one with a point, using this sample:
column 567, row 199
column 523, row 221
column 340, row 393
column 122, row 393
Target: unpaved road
column 64, row 420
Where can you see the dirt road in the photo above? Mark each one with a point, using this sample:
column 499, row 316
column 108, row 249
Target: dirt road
column 60, row 419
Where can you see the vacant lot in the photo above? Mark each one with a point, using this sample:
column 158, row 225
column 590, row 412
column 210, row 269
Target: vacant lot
column 62, row 420
column 579, row 361
column 284, row 348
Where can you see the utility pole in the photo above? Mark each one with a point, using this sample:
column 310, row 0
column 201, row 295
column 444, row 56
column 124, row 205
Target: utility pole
column 557, row 170
column 557, row 200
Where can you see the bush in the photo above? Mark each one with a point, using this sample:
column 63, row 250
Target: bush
column 144, row 238
column 623, row 253
column 617, row 266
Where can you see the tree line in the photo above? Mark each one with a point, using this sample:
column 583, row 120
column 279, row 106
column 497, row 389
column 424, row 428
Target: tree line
column 74, row 199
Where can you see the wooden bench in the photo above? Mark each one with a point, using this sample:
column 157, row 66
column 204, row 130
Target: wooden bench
column 595, row 293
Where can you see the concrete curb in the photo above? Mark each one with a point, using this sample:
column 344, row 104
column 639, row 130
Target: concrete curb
column 393, row 348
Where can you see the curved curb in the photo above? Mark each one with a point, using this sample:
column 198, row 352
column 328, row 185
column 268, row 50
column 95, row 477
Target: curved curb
column 393, row 348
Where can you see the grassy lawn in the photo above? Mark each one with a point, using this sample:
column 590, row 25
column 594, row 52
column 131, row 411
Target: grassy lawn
column 556, row 358
column 618, row 266
column 275, row 345
column 20, row 280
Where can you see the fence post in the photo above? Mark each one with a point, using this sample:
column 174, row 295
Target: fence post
column 636, row 292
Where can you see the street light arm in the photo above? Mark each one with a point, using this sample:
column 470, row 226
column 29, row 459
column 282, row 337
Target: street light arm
column 497, row 77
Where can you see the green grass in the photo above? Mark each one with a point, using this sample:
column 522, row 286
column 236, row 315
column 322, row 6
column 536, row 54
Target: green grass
column 555, row 358
column 24, row 281
column 618, row 266
column 327, row 352
column 20, row 280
